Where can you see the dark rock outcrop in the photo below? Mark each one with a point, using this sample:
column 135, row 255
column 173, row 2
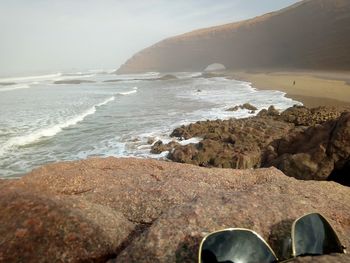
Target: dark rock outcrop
column 133, row 210
column 309, row 144
column 159, row 147
column 229, row 143
column 7, row 83
column 73, row 81
column 311, row 34
column 316, row 152
column 246, row 106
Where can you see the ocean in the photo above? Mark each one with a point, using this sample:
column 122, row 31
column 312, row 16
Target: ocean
column 110, row 115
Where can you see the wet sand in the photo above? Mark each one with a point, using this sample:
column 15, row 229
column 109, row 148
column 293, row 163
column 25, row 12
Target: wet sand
column 312, row 88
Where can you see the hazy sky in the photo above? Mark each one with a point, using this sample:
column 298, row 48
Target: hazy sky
column 53, row 35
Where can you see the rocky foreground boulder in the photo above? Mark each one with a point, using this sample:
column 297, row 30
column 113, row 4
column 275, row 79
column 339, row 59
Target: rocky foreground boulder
column 134, row 210
column 309, row 144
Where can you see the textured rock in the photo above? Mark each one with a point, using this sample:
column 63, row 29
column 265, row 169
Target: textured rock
column 41, row 228
column 308, row 144
column 317, row 152
column 246, row 106
column 249, row 106
column 270, row 112
column 235, row 108
column 300, row 115
column 229, row 143
column 261, row 208
column 159, row 147
column 339, row 145
column 152, row 211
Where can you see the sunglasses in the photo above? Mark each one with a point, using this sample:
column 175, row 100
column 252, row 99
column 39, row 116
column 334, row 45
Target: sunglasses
column 311, row 235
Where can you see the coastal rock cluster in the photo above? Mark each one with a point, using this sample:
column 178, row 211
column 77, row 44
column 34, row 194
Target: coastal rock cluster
column 134, row 210
column 73, row 81
column 246, row 106
column 303, row 143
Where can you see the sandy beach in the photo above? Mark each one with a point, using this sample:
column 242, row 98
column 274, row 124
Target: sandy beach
column 312, row 88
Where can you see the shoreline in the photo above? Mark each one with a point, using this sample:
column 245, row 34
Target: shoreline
column 312, row 88
column 270, row 81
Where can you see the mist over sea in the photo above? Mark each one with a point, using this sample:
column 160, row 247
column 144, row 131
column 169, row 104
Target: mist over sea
column 42, row 122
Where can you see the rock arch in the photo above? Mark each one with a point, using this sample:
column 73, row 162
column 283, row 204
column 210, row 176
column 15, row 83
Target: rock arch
column 215, row 67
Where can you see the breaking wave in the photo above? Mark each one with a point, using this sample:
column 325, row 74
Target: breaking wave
column 30, row 78
column 51, row 131
column 134, row 90
column 15, row 87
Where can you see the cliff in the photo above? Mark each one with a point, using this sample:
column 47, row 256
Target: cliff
column 312, row 34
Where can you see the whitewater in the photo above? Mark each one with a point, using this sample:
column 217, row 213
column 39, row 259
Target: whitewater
column 111, row 115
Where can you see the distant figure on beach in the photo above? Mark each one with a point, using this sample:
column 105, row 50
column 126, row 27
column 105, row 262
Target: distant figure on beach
column 294, row 83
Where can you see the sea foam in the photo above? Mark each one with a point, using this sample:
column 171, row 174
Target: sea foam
column 30, row 78
column 134, row 90
column 52, row 130
column 15, row 87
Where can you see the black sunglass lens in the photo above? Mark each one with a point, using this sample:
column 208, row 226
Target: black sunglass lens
column 235, row 246
column 313, row 235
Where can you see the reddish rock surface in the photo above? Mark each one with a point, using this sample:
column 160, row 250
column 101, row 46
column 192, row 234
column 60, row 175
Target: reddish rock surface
column 41, row 228
column 132, row 210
